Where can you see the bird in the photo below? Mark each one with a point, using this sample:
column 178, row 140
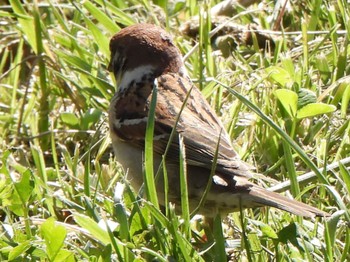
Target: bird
column 144, row 58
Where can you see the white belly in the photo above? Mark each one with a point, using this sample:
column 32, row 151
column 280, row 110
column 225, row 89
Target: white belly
column 131, row 158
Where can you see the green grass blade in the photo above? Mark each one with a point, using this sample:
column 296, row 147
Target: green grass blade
column 279, row 131
column 26, row 22
column 44, row 87
column 290, row 164
column 149, row 180
column 184, row 189
column 101, row 17
column 220, row 253
column 120, row 16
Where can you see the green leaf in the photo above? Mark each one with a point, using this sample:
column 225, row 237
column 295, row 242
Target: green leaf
column 340, row 201
column 90, row 225
column 26, row 21
column 179, row 5
column 332, row 224
column 314, row 109
column 289, row 100
column 13, row 201
column 39, row 160
column 254, row 243
column 54, row 236
column 323, row 67
column 101, row 17
column 150, row 183
column 19, row 250
column 288, row 64
column 345, row 173
column 101, row 39
column 280, row 76
column 24, row 187
column 305, row 97
column 293, row 234
column 90, row 117
column 265, row 229
column 65, row 256
column 345, row 100
column 70, row 119
column 75, row 61
column 220, row 254
column 121, row 17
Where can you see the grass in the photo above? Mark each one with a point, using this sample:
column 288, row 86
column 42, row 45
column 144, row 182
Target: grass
column 64, row 197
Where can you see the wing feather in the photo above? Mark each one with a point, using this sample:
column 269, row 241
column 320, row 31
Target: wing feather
column 198, row 125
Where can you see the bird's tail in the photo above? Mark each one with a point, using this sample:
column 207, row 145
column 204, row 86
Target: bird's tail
column 264, row 197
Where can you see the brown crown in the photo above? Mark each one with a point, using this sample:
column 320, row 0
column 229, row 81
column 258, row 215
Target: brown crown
column 146, row 44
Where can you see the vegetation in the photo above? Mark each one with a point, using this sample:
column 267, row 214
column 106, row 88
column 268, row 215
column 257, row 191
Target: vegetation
column 286, row 105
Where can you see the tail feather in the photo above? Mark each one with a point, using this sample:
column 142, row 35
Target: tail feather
column 268, row 198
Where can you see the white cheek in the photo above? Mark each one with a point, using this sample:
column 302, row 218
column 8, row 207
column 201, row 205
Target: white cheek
column 135, row 75
column 130, row 122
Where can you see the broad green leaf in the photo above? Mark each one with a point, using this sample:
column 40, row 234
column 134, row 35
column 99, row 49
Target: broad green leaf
column 179, row 5
column 279, row 75
column 288, row 64
column 265, row 229
column 289, row 100
column 65, row 256
column 323, row 67
column 315, row 109
column 90, row 225
column 19, row 250
column 24, row 187
column 12, row 200
column 70, row 119
column 305, row 97
column 295, row 255
column 54, row 236
column 90, row 117
column 294, row 234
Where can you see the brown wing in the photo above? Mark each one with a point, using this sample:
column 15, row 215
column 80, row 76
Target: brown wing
column 198, row 125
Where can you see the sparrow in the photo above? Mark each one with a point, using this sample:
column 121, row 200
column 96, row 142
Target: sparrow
column 144, row 57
